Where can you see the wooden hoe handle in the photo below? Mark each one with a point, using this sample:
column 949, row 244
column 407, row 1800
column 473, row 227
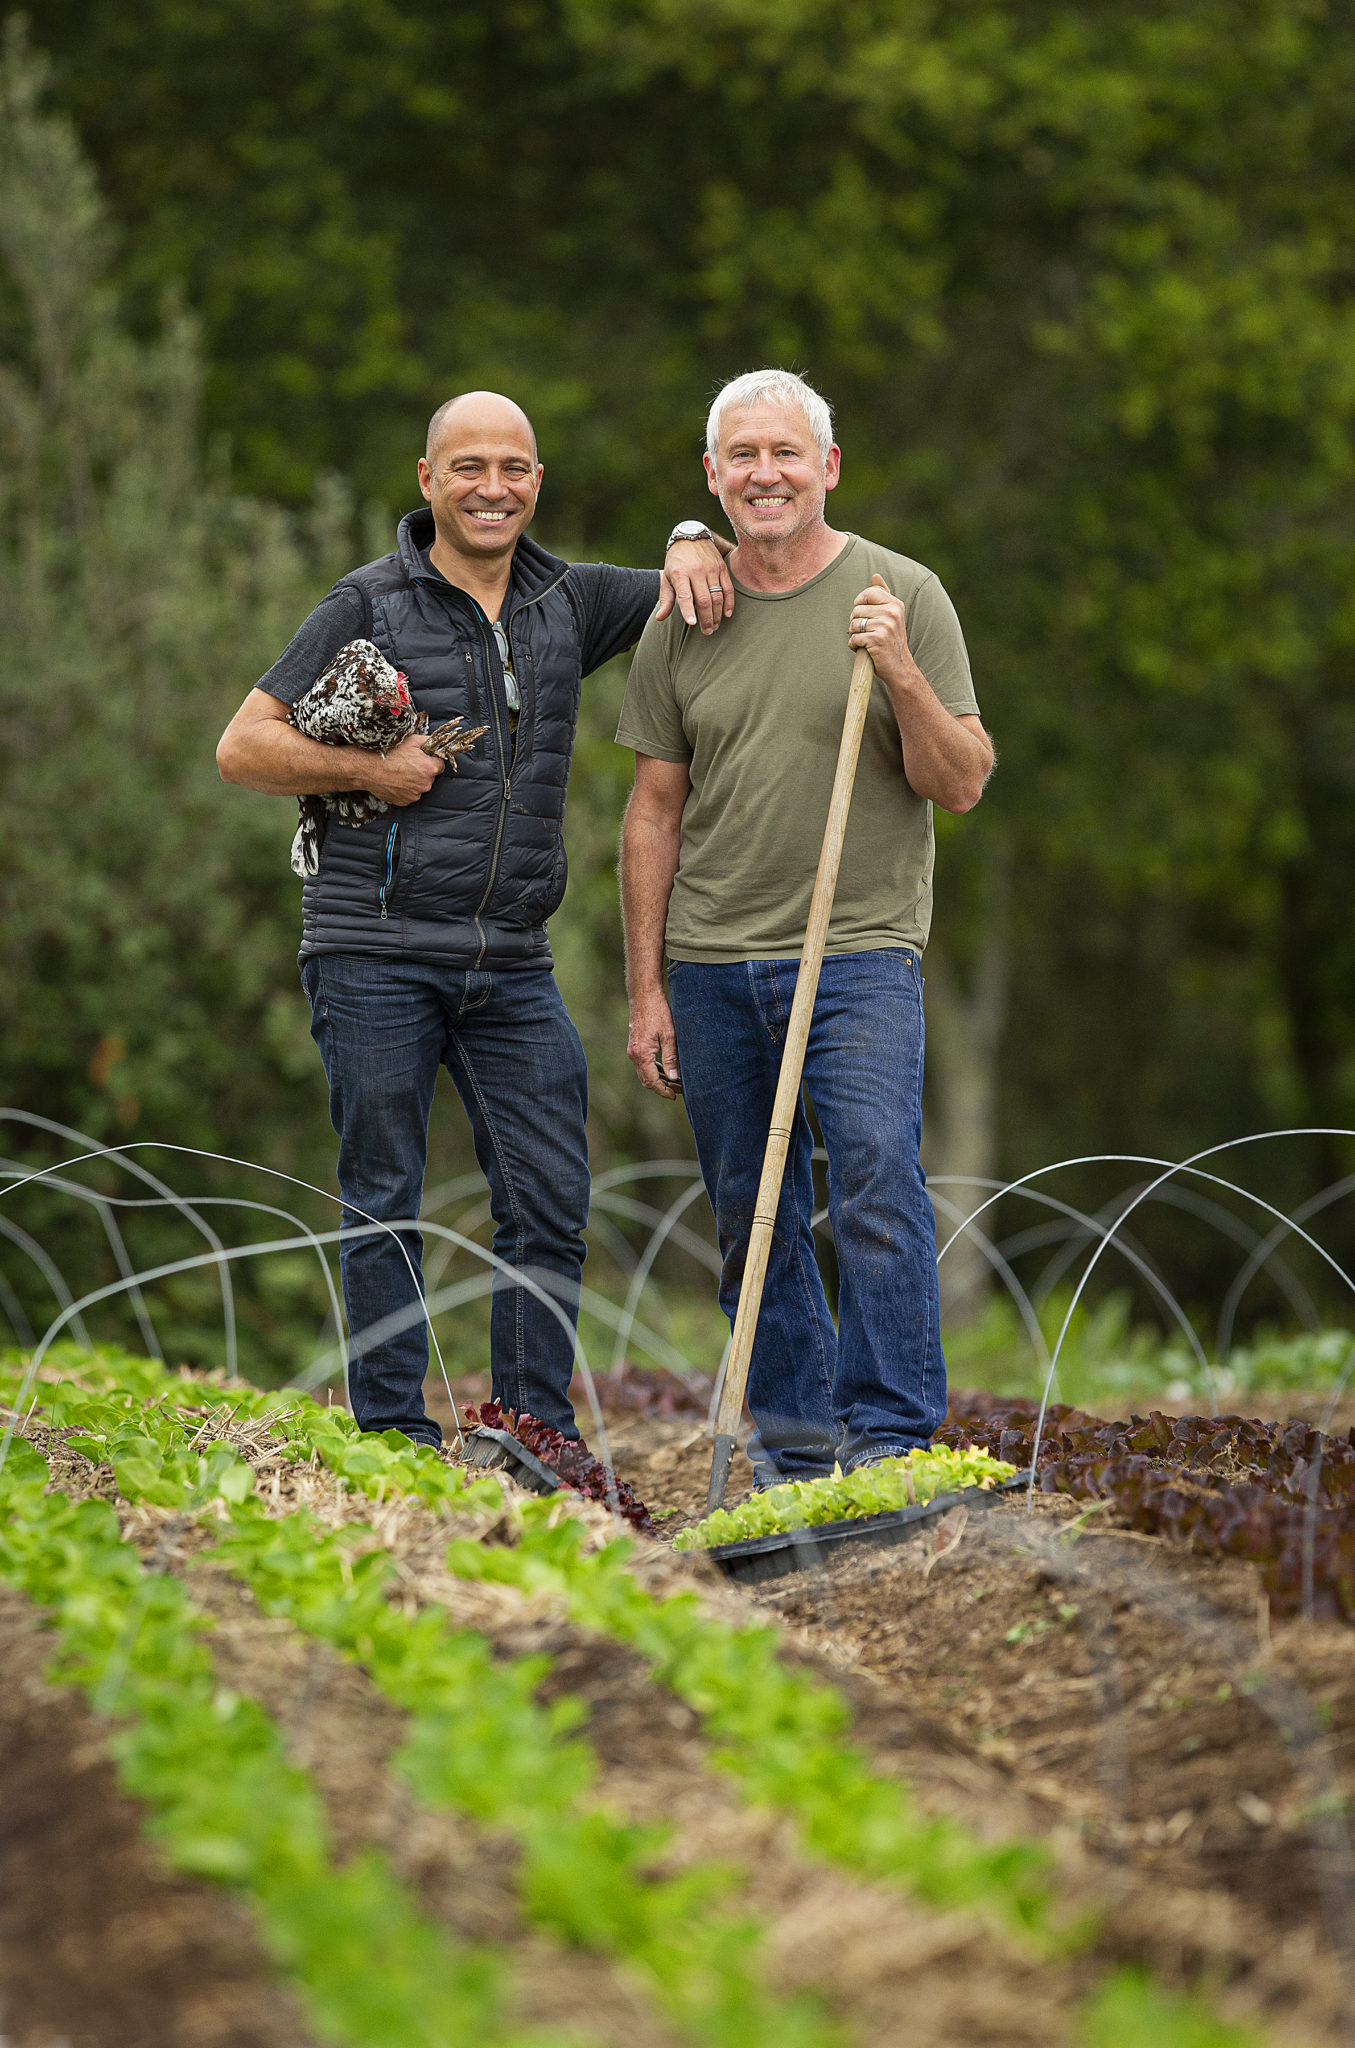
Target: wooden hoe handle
column 788, row 1084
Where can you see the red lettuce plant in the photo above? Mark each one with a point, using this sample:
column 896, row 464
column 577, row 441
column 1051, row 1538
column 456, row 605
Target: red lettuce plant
column 569, row 1458
column 1221, row 1483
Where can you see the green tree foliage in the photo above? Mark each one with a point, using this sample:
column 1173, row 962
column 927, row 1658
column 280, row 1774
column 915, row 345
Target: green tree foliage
column 146, row 942
column 1077, row 280
column 143, row 924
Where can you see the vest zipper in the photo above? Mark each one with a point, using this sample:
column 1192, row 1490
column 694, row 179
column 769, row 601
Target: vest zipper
column 490, row 658
column 502, row 819
column 390, row 855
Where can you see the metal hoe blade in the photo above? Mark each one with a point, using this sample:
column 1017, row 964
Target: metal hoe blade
column 719, row 1472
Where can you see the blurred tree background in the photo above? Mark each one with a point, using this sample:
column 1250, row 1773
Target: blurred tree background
column 1078, row 281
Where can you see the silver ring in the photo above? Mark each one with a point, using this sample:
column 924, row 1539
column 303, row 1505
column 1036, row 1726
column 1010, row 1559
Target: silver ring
column 714, row 589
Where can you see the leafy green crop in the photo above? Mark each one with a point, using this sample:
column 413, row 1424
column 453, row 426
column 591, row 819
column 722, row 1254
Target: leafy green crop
column 225, row 1802
column 871, row 1490
column 478, row 1740
column 1130, row 2011
column 141, row 1418
column 780, row 1733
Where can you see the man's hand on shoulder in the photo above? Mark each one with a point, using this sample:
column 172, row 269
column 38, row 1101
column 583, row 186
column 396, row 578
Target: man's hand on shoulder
column 696, row 580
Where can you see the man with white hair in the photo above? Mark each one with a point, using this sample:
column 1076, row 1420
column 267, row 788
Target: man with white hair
column 735, row 742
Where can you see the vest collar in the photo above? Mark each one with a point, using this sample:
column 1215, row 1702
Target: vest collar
column 534, row 569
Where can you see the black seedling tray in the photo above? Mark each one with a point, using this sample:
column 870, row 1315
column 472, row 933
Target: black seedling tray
column 499, row 1448
column 801, row 1550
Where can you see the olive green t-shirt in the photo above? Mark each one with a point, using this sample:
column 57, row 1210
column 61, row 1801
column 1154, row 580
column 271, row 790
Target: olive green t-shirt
column 755, row 714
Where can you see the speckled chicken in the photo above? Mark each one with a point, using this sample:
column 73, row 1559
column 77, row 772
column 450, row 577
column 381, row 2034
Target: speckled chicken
column 361, row 701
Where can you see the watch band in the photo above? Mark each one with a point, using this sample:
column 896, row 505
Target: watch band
column 688, row 529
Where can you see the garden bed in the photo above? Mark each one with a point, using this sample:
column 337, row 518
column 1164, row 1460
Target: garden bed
column 1204, row 1830
column 963, row 1676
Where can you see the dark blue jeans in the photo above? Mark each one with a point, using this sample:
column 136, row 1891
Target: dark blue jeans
column 383, row 1028
column 875, row 1386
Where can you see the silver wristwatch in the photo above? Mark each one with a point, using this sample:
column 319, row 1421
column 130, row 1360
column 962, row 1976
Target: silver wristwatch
column 688, row 529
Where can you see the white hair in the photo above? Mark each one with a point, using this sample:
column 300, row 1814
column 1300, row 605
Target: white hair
column 781, row 387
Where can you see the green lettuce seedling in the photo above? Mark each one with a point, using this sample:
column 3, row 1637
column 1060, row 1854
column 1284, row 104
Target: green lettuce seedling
column 871, row 1490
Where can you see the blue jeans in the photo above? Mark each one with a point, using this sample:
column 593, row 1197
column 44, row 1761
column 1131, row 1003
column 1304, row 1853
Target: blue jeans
column 383, row 1028
column 875, row 1386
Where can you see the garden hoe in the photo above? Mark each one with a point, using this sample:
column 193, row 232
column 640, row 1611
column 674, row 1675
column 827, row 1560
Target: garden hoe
column 788, row 1085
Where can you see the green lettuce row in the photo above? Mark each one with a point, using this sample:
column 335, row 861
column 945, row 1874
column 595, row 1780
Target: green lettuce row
column 141, row 1418
column 478, row 1740
column 871, row 1490
column 779, row 1734
column 225, row 1803
column 782, row 1736
column 1130, row 2011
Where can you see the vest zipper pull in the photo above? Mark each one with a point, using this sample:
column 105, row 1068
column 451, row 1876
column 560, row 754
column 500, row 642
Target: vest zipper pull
column 390, row 849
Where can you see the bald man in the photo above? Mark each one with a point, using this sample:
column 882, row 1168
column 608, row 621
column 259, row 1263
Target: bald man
column 424, row 940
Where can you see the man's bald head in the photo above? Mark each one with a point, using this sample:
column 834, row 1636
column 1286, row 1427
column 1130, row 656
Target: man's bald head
column 478, row 415
column 481, row 476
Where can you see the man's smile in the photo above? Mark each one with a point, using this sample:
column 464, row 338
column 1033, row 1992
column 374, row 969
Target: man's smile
column 485, row 517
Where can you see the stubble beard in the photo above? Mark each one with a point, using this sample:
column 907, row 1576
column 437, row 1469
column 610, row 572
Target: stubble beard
column 808, row 514
column 488, row 543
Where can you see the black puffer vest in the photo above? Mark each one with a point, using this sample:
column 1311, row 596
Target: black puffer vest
column 467, row 876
